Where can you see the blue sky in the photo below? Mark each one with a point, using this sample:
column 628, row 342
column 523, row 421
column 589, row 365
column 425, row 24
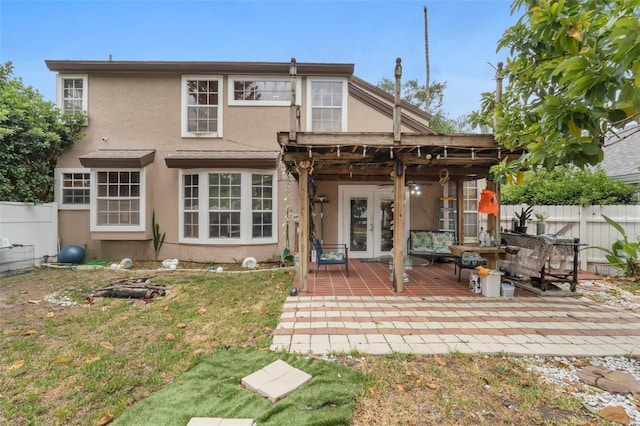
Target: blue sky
column 370, row 34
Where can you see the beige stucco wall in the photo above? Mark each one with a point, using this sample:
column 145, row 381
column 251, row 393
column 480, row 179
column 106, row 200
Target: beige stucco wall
column 135, row 111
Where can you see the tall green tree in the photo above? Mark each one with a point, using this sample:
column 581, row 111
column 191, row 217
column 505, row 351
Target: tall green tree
column 33, row 135
column 416, row 94
column 572, row 78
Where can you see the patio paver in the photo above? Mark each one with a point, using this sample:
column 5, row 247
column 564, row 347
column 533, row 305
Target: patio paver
column 437, row 315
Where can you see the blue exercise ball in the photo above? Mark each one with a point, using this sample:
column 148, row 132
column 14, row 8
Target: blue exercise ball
column 71, row 254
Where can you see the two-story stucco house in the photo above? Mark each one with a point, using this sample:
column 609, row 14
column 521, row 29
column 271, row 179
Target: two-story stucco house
column 213, row 149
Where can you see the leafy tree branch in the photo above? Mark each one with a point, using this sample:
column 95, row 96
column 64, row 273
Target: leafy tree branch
column 33, row 135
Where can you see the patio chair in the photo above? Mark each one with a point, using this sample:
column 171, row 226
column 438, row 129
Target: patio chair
column 468, row 260
column 331, row 254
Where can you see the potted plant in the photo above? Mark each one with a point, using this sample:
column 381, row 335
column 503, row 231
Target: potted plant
column 540, row 222
column 523, row 216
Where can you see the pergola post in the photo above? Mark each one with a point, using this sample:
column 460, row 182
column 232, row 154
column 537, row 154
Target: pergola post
column 460, row 210
column 398, row 227
column 303, row 241
column 293, row 122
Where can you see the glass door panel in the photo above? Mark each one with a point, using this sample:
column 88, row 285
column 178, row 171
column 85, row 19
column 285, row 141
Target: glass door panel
column 386, row 226
column 359, row 224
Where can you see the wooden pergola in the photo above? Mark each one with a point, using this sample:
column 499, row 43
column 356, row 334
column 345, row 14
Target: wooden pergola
column 378, row 156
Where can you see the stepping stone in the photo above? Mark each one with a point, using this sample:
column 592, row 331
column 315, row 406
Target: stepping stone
column 217, row 421
column 276, row 380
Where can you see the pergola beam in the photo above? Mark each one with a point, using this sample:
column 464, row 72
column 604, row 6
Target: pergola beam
column 385, row 139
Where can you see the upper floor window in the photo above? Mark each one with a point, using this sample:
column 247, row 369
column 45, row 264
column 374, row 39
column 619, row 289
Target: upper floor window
column 73, row 189
column 261, row 91
column 119, row 200
column 228, row 207
column 327, row 100
column 72, row 93
column 201, row 106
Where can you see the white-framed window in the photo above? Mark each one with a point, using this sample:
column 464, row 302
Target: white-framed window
column 73, row 188
column 72, row 93
column 202, row 106
column 470, row 205
column 117, row 200
column 327, row 104
column 228, row 206
column 261, row 90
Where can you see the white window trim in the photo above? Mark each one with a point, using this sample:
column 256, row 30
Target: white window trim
column 94, row 203
column 345, row 99
column 58, row 195
column 184, row 114
column 234, row 102
column 85, row 91
column 245, row 214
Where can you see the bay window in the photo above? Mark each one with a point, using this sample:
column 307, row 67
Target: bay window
column 236, row 207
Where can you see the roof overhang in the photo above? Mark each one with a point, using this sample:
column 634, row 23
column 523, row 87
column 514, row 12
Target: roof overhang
column 222, row 159
column 118, row 158
column 194, row 67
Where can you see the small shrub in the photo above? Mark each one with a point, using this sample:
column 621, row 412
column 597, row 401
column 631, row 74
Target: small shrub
column 624, row 255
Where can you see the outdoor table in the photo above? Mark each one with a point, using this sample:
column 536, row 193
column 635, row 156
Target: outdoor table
column 491, row 253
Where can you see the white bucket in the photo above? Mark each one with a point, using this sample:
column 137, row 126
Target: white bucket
column 491, row 284
column 507, row 290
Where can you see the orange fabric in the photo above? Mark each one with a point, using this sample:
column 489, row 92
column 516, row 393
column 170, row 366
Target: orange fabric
column 488, row 202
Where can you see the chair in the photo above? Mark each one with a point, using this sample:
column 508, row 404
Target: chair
column 468, row 260
column 331, row 254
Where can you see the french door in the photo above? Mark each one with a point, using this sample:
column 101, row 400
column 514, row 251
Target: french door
column 366, row 219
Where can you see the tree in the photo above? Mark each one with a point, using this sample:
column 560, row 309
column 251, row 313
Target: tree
column 573, row 78
column 33, row 134
column 567, row 185
column 416, row 94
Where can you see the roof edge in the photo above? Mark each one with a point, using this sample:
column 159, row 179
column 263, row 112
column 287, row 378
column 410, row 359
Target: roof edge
column 303, row 68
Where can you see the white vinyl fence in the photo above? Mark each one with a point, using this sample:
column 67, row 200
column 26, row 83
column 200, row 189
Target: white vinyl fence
column 585, row 223
column 32, row 230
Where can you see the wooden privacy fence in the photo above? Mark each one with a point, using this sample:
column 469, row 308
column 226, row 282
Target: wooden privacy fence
column 585, row 223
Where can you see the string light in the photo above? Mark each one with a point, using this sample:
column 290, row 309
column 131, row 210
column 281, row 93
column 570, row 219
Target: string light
column 418, row 150
column 338, row 150
column 391, row 153
column 310, row 153
column 473, row 153
column 445, row 151
column 428, row 156
column 364, row 150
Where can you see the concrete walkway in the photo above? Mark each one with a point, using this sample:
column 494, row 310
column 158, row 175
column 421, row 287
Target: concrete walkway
column 562, row 326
